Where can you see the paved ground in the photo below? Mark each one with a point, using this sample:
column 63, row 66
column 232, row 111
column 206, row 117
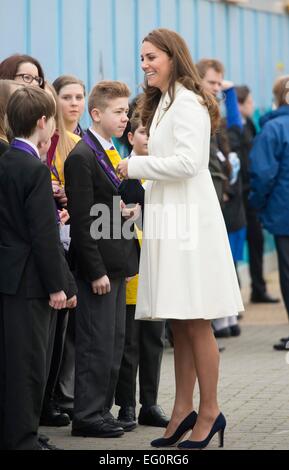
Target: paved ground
column 253, row 390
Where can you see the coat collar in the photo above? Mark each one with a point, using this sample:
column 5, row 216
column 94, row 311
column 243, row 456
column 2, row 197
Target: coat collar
column 281, row 111
column 162, row 107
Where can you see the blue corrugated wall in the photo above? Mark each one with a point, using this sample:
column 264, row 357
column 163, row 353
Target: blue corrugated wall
column 97, row 39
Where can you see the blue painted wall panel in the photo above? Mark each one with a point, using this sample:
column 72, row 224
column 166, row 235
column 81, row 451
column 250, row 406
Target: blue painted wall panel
column 168, row 14
column 101, row 53
column 96, row 39
column 148, row 16
column 13, row 32
column 73, row 37
column 251, row 60
column 204, row 36
column 186, row 23
column 286, row 42
column 233, row 41
column 44, row 43
column 125, row 43
column 264, row 62
column 220, row 34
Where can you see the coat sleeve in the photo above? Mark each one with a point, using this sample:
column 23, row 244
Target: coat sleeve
column 264, row 166
column 233, row 115
column 40, row 211
column 190, row 124
column 80, row 195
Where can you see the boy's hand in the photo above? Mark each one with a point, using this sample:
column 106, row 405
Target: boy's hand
column 72, row 302
column 57, row 300
column 63, row 216
column 101, row 286
column 131, row 213
column 55, row 187
column 59, row 194
column 122, row 169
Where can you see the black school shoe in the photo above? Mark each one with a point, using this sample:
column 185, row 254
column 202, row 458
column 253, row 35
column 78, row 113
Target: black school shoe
column 126, row 423
column 263, row 299
column 52, row 416
column 100, row 428
column 126, row 418
column 282, row 346
column 153, row 416
column 45, row 445
column 223, row 333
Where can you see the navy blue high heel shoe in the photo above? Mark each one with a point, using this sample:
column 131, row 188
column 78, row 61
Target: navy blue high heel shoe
column 187, row 424
column 218, row 427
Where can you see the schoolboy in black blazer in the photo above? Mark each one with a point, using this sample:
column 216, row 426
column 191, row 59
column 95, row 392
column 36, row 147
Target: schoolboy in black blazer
column 102, row 259
column 34, row 276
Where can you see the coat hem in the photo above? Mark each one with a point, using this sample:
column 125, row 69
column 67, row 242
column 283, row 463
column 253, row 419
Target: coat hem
column 192, row 317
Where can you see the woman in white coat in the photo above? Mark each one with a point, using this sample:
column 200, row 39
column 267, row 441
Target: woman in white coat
column 186, row 268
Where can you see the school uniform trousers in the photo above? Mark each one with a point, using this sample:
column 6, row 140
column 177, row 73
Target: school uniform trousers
column 144, row 344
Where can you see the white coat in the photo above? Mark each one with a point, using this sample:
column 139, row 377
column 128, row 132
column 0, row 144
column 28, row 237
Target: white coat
column 186, row 266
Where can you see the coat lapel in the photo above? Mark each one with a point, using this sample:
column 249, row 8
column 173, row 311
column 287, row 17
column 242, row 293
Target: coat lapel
column 160, row 112
column 162, row 108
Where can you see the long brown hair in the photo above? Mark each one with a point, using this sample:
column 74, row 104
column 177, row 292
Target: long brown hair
column 183, row 71
column 65, row 143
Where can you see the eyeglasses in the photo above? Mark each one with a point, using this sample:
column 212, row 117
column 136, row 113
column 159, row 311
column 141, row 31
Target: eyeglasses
column 27, row 78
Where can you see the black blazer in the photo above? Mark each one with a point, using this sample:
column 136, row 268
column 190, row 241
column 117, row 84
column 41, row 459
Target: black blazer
column 30, row 247
column 87, row 184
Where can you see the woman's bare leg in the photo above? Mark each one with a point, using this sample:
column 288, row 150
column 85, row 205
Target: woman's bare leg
column 185, row 375
column 206, row 356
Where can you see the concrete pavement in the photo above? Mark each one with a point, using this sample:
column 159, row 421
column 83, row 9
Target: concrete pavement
column 253, row 388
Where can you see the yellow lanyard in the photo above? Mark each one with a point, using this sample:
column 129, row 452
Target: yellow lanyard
column 113, row 156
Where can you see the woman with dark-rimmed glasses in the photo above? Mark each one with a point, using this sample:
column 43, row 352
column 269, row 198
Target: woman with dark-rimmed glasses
column 23, row 69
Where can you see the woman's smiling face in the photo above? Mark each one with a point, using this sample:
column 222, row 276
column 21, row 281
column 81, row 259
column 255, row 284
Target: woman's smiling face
column 157, row 66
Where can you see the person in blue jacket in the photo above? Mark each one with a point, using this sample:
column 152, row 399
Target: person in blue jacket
column 269, row 160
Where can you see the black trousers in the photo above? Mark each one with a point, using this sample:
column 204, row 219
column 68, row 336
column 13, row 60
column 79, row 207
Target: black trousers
column 255, row 240
column 282, row 246
column 99, row 344
column 64, row 390
column 27, row 329
column 57, row 354
column 144, row 343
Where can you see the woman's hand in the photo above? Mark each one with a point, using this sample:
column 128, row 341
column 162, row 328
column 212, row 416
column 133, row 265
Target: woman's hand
column 122, row 169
